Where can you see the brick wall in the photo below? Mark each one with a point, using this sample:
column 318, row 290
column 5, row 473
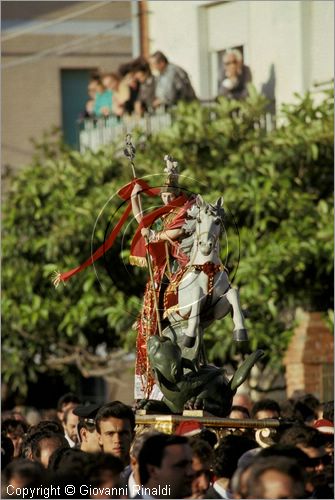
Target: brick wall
column 309, row 358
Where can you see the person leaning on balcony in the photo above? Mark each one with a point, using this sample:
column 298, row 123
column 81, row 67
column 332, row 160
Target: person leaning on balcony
column 236, row 76
column 120, row 90
column 172, row 82
column 127, row 74
column 103, row 100
column 146, row 94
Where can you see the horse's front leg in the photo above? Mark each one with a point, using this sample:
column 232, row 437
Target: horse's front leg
column 192, row 329
column 240, row 332
column 196, row 297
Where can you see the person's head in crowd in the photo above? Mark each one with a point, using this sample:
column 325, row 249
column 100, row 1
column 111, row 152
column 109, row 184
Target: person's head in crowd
column 158, row 62
column 15, row 430
column 135, row 451
column 7, row 451
column 276, row 477
column 23, row 473
column 115, row 424
column 232, row 63
column 66, row 458
column 93, row 85
column 306, row 413
column 141, row 70
column 290, row 411
column 295, row 453
column 125, row 69
column 126, row 72
column 66, row 402
column 327, row 430
column 52, row 426
column 313, row 403
column 328, row 411
column 100, row 88
column 103, row 471
column 230, row 451
column 238, row 482
column 70, row 423
column 47, row 425
column 86, row 428
column 267, row 408
column 247, row 458
column 202, row 463
column 208, row 436
column 188, row 428
column 227, row 454
column 43, row 445
column 324, row 426
column 310, row 441
column 33, row 416
column 89, row 107
column 242, row 399
column 49, row 414
column 239, row 412
column 166, row 461
column 111, row 81
column 285, row 450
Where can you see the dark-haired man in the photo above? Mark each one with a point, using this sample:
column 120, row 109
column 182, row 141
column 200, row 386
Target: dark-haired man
column 227, row 455
column 267, row 408
column 70, row 423
column 311, row 442
column 115, row 424
column 66, row 402
column 165, row 467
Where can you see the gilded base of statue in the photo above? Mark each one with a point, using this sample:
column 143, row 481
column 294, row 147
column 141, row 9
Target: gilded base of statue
column 265, row 430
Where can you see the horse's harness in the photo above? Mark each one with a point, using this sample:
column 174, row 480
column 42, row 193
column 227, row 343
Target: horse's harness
column 210, row 269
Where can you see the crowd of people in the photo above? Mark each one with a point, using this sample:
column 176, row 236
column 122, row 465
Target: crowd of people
column 143, row 86
column 139, row 86
column 84, row 450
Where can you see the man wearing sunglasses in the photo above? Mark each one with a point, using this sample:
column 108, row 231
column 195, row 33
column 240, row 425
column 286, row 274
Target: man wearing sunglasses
column 319, row 468
column 236, row 75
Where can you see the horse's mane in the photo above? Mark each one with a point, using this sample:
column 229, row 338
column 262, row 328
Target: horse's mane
column 191, row 221
column 193, row 213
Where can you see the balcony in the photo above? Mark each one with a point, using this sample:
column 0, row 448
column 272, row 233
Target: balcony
column 97, row 132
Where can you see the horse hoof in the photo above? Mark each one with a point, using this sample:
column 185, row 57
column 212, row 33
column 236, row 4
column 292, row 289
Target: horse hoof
column 188, row 341
column 240, row 335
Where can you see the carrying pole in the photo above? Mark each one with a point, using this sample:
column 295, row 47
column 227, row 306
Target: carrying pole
column 130, row 152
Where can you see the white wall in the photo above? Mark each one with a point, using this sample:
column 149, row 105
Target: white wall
column 275, row 40
column 322, row 41
column 173, row 29
column 287, row 44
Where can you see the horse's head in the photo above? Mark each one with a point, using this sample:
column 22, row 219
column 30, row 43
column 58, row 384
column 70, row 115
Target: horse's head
column 208, row 224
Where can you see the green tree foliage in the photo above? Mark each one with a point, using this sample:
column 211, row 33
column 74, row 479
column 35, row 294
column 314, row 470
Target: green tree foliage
column 277, row 188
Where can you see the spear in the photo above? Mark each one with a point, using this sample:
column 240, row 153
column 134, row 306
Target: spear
column 129, row 152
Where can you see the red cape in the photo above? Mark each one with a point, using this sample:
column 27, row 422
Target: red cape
column 138, row 248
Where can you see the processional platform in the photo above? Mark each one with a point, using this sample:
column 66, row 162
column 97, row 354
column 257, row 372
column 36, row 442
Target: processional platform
column 265, row 430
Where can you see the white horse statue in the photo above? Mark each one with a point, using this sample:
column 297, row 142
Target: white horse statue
column 204, row 291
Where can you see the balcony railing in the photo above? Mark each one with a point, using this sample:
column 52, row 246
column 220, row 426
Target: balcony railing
column 94, row 133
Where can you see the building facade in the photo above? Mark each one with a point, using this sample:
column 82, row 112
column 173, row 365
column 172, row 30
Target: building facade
column 49, row 50
column 288, row 45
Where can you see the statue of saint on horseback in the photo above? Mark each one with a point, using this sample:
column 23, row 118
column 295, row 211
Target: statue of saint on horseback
column 188, row 288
